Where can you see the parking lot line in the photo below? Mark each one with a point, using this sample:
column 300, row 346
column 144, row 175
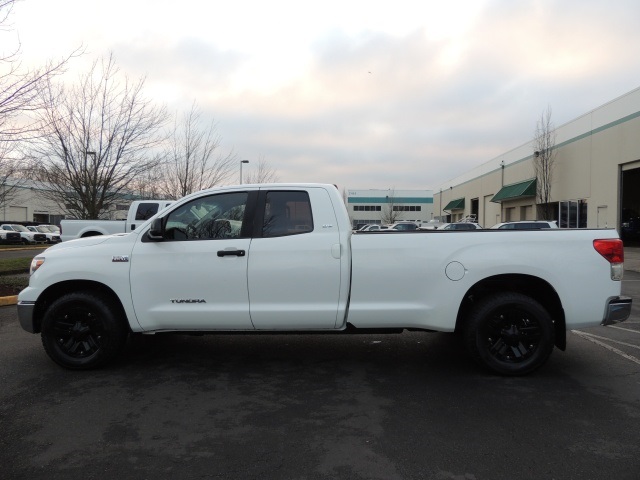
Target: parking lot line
column 611, row 340
column 587, row 336
column 625, row 329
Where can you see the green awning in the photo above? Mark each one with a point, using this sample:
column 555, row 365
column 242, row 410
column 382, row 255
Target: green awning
column 457, row 204
column 516, row 190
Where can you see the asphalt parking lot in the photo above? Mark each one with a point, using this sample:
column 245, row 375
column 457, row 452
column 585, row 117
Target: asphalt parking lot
column 409, row 406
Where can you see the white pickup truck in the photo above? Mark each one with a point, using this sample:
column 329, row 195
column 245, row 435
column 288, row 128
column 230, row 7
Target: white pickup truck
column 281, row 258
column 139, row 212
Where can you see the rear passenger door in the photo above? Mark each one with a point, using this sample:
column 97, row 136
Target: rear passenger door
column 294, row 261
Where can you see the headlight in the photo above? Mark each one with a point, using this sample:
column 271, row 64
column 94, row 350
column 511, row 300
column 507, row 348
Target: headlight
column 36, row 263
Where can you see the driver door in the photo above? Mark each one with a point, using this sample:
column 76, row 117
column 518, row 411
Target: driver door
column 196, row 277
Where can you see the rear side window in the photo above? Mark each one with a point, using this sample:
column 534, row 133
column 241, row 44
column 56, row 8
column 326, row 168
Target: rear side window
column 146, row 210
column 287, row 213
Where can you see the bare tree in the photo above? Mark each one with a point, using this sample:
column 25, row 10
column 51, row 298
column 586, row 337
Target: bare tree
column 264, row 173
column 544, row 155
column 149, row 184
column 19, row 97
column 20, row 90
column 98, row 138
column 10, row 172
column 391, row 213
column 193, row 162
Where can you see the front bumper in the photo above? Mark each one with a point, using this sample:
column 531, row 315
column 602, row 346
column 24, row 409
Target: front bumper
column 25, row 315
column 617, row 310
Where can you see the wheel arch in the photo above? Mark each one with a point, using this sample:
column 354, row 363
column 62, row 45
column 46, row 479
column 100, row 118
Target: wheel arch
column 57, row 290
column 535, row 287
column 91, row 233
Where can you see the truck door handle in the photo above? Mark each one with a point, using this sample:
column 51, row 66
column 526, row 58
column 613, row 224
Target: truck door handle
column 226, row 253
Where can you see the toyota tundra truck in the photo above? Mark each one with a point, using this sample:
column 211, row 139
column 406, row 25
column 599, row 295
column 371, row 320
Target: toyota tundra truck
column 282, row 258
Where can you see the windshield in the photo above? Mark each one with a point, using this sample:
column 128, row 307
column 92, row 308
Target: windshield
column 20, row 228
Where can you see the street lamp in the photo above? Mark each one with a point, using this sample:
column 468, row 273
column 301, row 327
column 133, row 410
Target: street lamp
column 241, row 162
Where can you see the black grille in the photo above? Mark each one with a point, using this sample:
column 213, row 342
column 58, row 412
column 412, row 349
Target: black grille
column 40, row 237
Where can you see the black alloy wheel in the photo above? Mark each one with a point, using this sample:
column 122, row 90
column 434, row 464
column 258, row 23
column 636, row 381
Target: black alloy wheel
column 510, row 333
column 81, row 331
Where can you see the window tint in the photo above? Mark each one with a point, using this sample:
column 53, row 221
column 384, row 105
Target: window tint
column 209, row 218
column 146, row 210
column 287, row 213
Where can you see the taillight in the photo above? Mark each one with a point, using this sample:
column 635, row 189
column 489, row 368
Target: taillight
column 613, row 250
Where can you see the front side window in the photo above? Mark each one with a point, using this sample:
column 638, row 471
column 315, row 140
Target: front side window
column 287, row 213
column 210, row 218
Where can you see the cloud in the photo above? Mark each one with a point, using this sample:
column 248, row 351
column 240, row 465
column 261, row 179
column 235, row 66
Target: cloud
column 364, row 95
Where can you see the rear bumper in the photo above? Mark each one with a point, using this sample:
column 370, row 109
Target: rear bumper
column 617, row 310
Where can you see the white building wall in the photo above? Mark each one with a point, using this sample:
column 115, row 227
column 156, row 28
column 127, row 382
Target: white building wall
column 591, row 153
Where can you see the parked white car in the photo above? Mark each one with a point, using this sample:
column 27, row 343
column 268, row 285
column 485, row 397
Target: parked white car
column 403, row 226
column 460, row 226
column 526, row 225
column 52, row 228
column 9, row 236
column 373, row 228
column 51, row 237
column 26, row 235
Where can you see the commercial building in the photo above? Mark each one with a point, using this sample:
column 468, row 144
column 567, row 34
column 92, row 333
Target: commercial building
column 26, row 203
column 595, row 181
column 383, row 206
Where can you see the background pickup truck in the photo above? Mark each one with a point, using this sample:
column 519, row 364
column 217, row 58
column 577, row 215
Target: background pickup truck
column 139, row 212
column 281, row 258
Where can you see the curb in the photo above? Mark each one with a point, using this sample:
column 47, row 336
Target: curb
column 6, row 301
column 29, row 247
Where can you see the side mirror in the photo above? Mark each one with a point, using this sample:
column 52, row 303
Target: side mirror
column 156, row 232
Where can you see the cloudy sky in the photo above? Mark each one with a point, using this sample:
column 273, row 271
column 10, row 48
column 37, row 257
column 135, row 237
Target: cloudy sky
column 365, row 94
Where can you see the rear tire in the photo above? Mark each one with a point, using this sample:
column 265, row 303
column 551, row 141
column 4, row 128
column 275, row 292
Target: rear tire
column 81, row 331
column 509, row 333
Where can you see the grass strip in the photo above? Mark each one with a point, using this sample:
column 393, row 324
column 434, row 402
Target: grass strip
column 15, row 265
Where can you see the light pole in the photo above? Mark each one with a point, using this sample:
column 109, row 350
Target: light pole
column 86, row 154
column 241, row 162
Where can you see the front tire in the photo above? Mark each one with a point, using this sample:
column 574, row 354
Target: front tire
column 510, row 333
column 81, row 331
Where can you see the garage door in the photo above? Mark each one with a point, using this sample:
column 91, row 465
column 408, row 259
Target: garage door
column 17, row 214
